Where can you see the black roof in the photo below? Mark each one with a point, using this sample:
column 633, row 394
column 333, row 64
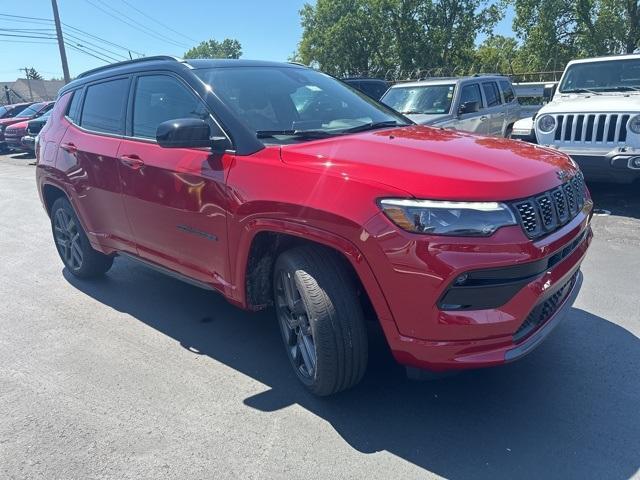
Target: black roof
column 164, row 61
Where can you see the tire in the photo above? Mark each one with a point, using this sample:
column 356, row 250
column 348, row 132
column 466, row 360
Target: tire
column 73, row 245
column 320, row 318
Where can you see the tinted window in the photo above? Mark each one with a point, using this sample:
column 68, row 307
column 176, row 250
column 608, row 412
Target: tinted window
column 471, row 93
column 30, row 111
column 373, row 88
column 491, row 92
column 160, row 98
column 105, row 106
column 73, row 112
column 507, row 91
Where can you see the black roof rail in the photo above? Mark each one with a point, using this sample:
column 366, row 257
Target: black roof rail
column 128, row 62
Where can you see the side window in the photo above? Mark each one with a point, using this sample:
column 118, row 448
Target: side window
column 73, row 111
column 491, row 93
column 105, row 106
column 507, row 91
column 471, row 93
column 159, row 98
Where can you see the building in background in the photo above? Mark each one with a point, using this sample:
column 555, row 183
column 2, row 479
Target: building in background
column 26, row 90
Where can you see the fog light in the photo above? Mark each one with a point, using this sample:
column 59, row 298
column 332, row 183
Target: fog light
column 634, row 162
column 462, row 279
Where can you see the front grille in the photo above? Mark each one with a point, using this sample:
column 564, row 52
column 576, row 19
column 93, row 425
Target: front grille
column 545, row 310
column 545, row 213
column 591, row 128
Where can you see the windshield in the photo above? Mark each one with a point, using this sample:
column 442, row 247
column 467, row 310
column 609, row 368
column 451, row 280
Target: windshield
column 612, row 75
column 277, row 102
column 427, row 99
column 30, row 111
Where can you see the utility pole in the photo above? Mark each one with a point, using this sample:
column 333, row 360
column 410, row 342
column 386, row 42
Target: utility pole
column 6, row 92
column 63, row 53
column 28, row 75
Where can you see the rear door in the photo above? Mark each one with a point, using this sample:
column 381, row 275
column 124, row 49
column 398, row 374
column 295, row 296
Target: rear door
column 476, row 121
column 494, row 112
column 88, row 157
column 176, row 198
column 511, row 105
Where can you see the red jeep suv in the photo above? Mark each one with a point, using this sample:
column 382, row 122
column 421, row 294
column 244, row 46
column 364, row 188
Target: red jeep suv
column 274, row 184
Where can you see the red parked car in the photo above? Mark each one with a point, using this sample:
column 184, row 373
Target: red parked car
column 274, row 184
column 32, row 111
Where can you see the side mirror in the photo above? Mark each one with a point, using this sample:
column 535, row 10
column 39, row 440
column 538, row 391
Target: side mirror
column 549, row 91
column 469, row 107
column 189, row 133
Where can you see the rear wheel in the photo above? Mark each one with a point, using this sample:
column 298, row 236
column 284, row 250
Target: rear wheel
column 73, row 245
column 320, row 319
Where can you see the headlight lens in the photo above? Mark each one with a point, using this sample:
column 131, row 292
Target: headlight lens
column 464, row 219
column 634, row 124
column 546, row 123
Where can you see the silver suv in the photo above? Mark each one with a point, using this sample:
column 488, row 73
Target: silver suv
column 484, row 104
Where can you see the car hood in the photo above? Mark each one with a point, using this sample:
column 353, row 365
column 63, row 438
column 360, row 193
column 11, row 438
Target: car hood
column 428, row 118
column 11, row 121
column 18, row 126
column 434, row 163
column 618, row 102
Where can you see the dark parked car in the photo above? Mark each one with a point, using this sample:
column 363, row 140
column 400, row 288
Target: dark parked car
column 373, row 87
column 8, row 111
column 274, row 184
column 28, row 141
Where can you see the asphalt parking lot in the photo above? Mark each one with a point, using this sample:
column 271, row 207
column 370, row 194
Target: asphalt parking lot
column 139, row 376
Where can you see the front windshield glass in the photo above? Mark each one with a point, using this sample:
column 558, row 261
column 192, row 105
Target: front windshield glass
column 30, row 111
column 611, row 75
column 426, row 99
column 279, row 102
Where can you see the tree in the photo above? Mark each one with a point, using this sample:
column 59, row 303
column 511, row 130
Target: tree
column 498, row 54
column 228, row 48
column 359, row 37
column 32, row 74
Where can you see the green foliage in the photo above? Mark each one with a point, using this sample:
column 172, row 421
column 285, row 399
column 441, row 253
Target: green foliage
column 33, row 74
column 228, row 48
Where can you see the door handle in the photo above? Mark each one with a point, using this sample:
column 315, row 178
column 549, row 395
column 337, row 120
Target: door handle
column 132, row 161
column 483, row 118
column 69, row 147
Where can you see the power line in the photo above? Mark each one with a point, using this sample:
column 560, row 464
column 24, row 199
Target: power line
column 158, row 22
column 126, row 49
column 25, row 36
column 28, row 41
column 137, row 25
column 73, row 47
column 83, row 40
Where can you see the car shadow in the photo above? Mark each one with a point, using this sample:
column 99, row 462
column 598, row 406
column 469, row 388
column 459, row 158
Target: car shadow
column 568, row 410
column 620, row 200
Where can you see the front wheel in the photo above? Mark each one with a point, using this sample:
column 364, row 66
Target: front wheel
column 320, row 318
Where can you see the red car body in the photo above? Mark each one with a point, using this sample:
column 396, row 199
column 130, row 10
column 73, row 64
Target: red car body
column 13, row 135
column 130, row 195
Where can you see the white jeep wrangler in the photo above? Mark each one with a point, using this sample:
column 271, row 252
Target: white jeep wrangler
column 595, row 117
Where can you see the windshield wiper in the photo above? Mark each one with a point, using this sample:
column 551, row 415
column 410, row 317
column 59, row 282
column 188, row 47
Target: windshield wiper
column 411, row 112
column 622, row 88
column 580, row 90
column 373, row 125
column 294, row 133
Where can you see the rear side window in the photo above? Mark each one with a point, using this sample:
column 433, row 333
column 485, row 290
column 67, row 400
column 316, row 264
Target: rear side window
column 491, row 93
column 105, row 106
column 73, row 112
column 471, row 93
column 507, row 91
column 159, row 98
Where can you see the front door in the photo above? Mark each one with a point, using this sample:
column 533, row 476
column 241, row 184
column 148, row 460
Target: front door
column 475, row 122
column 175, row 198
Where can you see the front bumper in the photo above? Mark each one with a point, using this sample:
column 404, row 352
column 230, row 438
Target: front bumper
column 606, row 166
column 28, row 142
column 424, row 336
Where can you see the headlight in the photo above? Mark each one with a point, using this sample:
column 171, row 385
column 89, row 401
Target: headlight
column 546, row 123
column 465, row 219
column 634, row 124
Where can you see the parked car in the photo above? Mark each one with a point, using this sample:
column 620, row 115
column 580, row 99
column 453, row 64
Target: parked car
column 595, row 117
column 8, row 111
column 13, row 135
column 373, row 87
column 34, row 126
column 32, row 111
column 532, row 96
column 466, row 249
column 482, row 104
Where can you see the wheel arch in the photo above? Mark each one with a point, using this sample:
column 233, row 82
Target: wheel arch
column 266, row 239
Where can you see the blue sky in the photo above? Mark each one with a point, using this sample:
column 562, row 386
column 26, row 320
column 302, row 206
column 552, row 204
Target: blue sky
column 268, row 30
